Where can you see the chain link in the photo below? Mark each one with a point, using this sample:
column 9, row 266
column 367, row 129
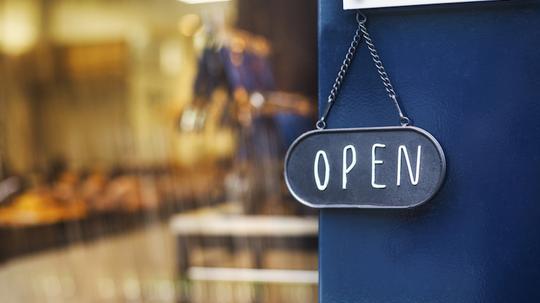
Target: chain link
column 361, row 32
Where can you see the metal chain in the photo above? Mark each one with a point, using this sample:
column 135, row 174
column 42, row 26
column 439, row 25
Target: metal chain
column 382, row 72
column 361, row 31
column 321, row 123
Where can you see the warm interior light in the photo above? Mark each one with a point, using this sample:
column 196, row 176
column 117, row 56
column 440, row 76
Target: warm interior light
column 201, row 1
column 18, row 27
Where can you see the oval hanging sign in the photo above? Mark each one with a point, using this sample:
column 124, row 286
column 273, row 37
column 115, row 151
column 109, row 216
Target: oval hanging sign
column 383, row 167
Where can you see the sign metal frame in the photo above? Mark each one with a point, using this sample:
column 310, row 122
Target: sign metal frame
column 417, row 130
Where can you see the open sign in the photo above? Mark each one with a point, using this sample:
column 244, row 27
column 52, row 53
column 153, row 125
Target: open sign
column 385, row 167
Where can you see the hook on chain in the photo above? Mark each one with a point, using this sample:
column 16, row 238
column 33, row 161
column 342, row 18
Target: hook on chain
column 361, row 18
column 321, row 124
column 404, row 121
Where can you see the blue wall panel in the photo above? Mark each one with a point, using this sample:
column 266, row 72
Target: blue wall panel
column 469, row 74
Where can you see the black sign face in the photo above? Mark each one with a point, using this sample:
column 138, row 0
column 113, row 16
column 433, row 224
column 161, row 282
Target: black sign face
column 384, row 167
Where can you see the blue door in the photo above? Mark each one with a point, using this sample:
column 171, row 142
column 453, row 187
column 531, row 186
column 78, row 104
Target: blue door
column 468, row 73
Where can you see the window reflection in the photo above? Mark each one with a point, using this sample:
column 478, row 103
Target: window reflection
column 141, row 151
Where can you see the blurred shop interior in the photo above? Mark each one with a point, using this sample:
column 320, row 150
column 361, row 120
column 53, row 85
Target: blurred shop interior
column 142, row 146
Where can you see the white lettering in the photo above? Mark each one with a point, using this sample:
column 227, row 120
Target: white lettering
column 321, row 186
column 347, row 169
column 375, row 162
column 414, row 179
